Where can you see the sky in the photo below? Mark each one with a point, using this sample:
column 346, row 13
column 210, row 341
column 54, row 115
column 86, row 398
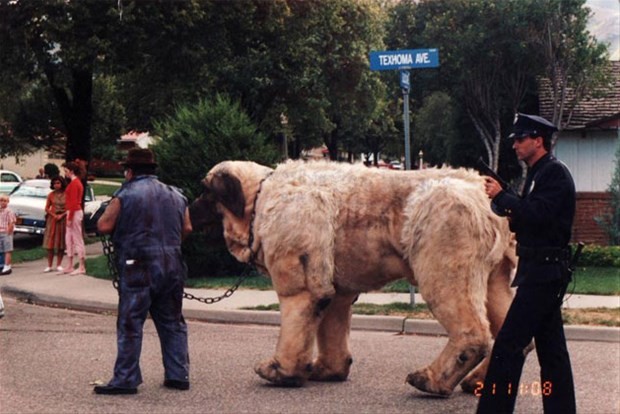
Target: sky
column 605, row 24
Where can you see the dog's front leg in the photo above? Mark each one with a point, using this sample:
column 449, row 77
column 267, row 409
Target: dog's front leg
column 292, row 364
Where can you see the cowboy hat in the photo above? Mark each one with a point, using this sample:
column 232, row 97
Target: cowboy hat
column 140, row 156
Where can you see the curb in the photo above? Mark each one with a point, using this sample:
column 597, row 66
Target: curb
column 395, row 324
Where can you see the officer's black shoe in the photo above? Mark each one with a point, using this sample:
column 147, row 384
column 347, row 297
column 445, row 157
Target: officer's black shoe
column 112, row 390
column 176, row 384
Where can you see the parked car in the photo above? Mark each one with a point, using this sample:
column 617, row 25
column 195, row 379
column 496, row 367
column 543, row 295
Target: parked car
column 396, row 165
column 27, row 201
column 8, row 181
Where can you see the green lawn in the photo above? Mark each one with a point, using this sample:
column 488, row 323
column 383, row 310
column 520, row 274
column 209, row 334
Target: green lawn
column 588, row 280
column 102, row 190
column 29, row 255
column 36, row 253
column 597, row 281
column 582, row 316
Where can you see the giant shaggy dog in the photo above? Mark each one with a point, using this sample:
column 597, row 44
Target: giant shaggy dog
column 324, row 232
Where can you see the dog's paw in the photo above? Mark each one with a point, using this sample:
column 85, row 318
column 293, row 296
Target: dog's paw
column 272, row 371
column 422, row 381
column 321, row 372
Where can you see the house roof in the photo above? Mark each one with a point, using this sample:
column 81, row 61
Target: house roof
column 135, row 138
column 590, row 112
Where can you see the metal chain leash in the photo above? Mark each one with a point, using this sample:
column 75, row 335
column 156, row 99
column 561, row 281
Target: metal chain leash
column 108, row 251
column 225, row 295
column 250, row 265
column 110, row 254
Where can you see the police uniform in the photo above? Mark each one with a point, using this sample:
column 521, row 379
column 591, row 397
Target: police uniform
column 541, row 218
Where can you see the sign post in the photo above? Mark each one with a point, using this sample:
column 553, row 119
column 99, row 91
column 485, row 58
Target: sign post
column 404, row 60
column 405, row 85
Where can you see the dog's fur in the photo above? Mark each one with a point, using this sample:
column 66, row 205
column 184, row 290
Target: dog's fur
column 324, row 232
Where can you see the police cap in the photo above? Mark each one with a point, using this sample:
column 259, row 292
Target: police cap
column 531, row 126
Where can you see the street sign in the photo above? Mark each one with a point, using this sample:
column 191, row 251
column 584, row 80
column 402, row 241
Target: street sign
column 404, row 80
column 404, row 59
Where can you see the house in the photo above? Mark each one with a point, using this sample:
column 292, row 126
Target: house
column 587, row 145
column 27, row 166
column 134, row 139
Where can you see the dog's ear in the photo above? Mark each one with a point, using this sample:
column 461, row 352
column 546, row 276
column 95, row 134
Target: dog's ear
column 227, row 190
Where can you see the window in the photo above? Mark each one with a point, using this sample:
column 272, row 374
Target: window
column 8, row 178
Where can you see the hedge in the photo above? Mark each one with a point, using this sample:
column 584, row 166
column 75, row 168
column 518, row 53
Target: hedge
column 600, row 256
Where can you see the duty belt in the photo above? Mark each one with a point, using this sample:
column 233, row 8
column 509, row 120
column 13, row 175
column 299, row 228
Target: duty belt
column 544, row 254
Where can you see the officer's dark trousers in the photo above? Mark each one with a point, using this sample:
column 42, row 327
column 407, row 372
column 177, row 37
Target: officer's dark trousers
column 535, row 313
column 142, row 292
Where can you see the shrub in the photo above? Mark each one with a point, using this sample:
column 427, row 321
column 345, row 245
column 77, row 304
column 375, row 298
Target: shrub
column 209, row 261
column 600, row 256
column 199, row 136
column 191, row 141
column 51, row 170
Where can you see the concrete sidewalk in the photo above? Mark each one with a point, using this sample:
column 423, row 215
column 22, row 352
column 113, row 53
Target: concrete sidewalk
column 28, row 282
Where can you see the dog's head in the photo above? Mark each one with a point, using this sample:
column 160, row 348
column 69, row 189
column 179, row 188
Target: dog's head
column 222, row 190
column 228, row 188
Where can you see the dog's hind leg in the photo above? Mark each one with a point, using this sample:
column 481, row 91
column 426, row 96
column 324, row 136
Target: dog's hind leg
column 499, row 297
column 334, row 358
column 465, row 321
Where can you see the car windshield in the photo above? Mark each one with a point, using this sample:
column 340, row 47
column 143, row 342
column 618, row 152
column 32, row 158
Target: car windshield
column 31, row 191
column 88, row 196
column 28, row 190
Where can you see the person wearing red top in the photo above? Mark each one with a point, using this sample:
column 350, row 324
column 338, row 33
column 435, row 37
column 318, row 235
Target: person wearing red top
column 74, row 239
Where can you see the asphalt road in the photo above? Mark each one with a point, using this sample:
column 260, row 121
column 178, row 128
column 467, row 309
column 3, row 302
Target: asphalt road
column 50, row 358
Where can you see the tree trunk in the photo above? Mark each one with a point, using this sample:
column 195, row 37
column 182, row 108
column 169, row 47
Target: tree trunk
column 76, row 111
column 79, row 132
column 332, row 146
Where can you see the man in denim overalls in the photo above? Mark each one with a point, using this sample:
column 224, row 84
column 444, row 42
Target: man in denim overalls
column 148, row 220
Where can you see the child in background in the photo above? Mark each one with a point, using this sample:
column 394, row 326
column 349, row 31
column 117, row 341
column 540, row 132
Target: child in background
column 7, row 225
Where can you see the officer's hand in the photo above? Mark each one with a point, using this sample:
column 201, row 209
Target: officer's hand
column 491, row 187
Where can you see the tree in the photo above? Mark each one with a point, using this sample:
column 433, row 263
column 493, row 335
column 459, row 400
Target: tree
column 109, row 119
column 122, row 65
column 479, row 44
column 611, row 222
column 331, row 96
column 380, row 136
column 572, row 58
column 491, row 52
column 191, row 141
column 59, row 41
column 63, row 48
column 435, row 128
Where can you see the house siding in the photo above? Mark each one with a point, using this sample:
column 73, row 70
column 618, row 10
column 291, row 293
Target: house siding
column 590, row 156
column 588, row 146
column 28, row 166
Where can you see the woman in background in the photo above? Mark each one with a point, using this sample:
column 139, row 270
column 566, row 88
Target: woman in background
column 55, row 224
column 74, row 238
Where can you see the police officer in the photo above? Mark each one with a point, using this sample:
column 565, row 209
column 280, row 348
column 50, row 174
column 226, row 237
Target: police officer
column 148, row 221
column 541, row 218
